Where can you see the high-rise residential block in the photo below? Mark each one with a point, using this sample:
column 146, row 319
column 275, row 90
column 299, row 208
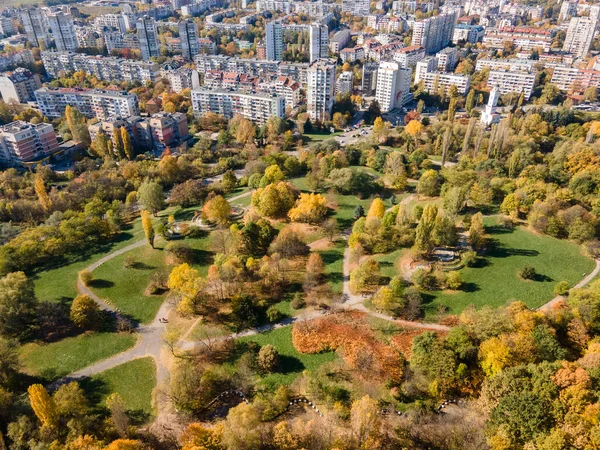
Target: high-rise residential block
column 189, row 39
column 274, row 41
column 19, row 86
column 357, row 7
column 580, row 33
column 90, row 102
column 148, row 37
column 434, row 33
column 35, row 24
column 393, row 86
column 319, row 41
column 369, row 79
column 320, row 93
column 508, row 82
column 255, row 107
column 22, row 142
column 63, row 31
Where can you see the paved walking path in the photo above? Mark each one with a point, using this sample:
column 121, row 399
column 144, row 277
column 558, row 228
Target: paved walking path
column 548, row 306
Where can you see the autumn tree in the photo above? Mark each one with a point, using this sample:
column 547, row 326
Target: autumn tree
column 127, row 145
column 118, row 416
column 150, row 196
column 99, row 146
column 429, row 183
column 381, row 129
column 43, row 406
column 217, row 210
column 85, row 313
column 18, row 304
column 367, row 274
column 40, row 190
column 275, row 200
column 77, row 126
column 309, row 208
column 424, row 238
column 366, row 422
column 148, row 228
column 477, row 232
column 414, row 129
column 314, row 270
column 377, row 208
column 268, row 358
column 188, row 284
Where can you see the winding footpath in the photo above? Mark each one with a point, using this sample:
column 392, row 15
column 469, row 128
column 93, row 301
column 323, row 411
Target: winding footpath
column 548, row 306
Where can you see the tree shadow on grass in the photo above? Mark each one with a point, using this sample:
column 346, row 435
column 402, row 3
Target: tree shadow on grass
column 470, row 287
column 101, row 284
column 289, row 364
column 498, row 250
column 202, row 257
column 498, row 229
column 139, row 265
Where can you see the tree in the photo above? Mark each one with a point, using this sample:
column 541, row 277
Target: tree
column 310, row 208
column 373, row 112
column 188, row 284
column 366, row 422
column 118, row 416
column 314, row 270
column 18, row 304
column 100, row 146
column 217, row 210
column 119, row 148
column 377, row 208
column 275, row 200
column 365, row 275
column 40, row 190
column 77, row 126
column 242, row 428
column 70, row 400
column 229, row 181
column 126, row 444
column 424, row 238
column 454, row 280
column 256, row 237
column 244, row 131
column 452, row 108
column 148, row 228
column 150, row 196
column 590, row 94
column 384, row 299
column 429, row 183
column 273, row 174
column 9, row 361
column 85, row 313
column 127, row 145
column 339, row 120
column 381, row 130
column 43, row 406
column 359, row 212
column 470, row 101
column 477, row 232
column 268, row 358
column 289, row 244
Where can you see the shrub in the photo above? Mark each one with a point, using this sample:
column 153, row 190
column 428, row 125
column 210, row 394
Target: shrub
column 561, row 288
column 128, row 262
column 454, row 280
column 273, row 314
column 297, row 302
column 178, row 253
column 469, row 258
column 423, row 279
column 268, row 358
column 86, row 277
column 527, row 273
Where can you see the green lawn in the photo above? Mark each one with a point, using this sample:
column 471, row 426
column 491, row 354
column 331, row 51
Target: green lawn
column 292, row 362
column 58, row 359
column 315, row 137
column 133, row 381
column 333, row 259
column 387, row 262
column 497, row 280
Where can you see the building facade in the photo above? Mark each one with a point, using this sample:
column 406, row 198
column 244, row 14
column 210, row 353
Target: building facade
column 320, row 93
column 23, row 142
column 148, row 37
column 19, row 86
column 508, row 81
column 189, row 39
column 435, row 33
column 274, row 41
column 63, row 31
column 319, row 41
column 393, row 86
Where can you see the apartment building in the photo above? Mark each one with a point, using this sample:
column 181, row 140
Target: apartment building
column 207, row 46
column 580, row 34
column 148, row 37
column 512, row 81
column 90, row 102
column 339, row 41
column 255, row 107
column 524, row 38
column 513, row 64
column 189, row 39
column 19, row 86
column 356, row 7
column 319, row 41
column 470, row 34
column 111, row 21
column 23, row 142
column 320, row 93
column 435, row 33
column 432, row 79
column 11, row 60
column 352, row 54
column 88, row 37
column 409, row 56
column 6, row 27
column 393, row 85
column 274, row 41
column 104, row 68
column 36, row 26
column 369, row 79
column 181, row 78
column 574, row 80
column 446, row 59
column 118, row 41
column 343, row 85
column 63, row 31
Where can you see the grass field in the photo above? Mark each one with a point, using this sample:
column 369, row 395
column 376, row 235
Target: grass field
column 55, row 360
column 333, row 259
column 387, row 262
column 133, row 381
column 496, row 280
column 316, row 137
column 292, row 362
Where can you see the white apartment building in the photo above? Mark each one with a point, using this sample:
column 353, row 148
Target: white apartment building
column 111, row 21
column 357, row 7
column 513, row 64
column 434, row 33
column 393, row 85
column 181, row 78
column 119, row 41
column 319, row 41
column 6, row 27
column 22, row 142
column 468, row 33
column 352, row 54
column 508, row 81
column 90, row 102
column 575, row 80
column 320, row 93
column 255, row 107
column 148, row 37
column 284, row 6
column 188, row 39
column 409, row 56
column 432, row 79
column 19, row 86
column 63, row 31
column 274, row 41
column 343, row 84
column 524, row 38
column 580, row 35
column 339, row 41
column 104, row 68
column 446, row 59
column 35, row 24
column 369, row 79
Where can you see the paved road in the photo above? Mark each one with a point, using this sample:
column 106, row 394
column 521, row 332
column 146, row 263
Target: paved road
column 548, row 306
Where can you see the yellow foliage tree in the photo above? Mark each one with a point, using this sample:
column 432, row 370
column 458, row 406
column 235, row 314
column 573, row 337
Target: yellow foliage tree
column 126, row 444
column 310, row 208
column 366, row 422
column 43, row 406
column 40, row 190
column 148, row 227
column 217, row 210
column 494, row 355
column 187, row 283
column 377, row 208
column 199, row 437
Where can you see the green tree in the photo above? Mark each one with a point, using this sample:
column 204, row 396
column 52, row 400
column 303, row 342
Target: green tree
column 77, row 126
column 18, row 304
column 429, row 183
column 424, row 237
column 150, row 195
column 477, row 232
column 268, row 358
column 85, row 313
column 470, row 101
